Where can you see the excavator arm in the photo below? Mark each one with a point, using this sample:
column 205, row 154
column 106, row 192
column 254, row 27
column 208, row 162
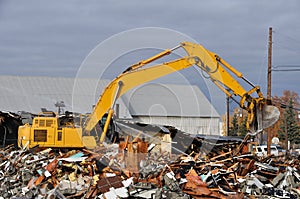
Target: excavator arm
column 259, row 114
column 129, row 80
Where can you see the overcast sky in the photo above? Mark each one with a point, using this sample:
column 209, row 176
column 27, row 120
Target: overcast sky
column 53, row 38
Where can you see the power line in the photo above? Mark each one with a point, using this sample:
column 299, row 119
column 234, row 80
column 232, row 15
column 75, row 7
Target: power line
column 288, row 106
column 286, row 68
column 287, row 42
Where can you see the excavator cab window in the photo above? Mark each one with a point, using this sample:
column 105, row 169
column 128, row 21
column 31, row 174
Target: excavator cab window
column 111, row 134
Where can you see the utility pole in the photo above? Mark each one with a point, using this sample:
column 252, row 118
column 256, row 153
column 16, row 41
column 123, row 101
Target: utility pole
column 227, row 115
column 269, row 96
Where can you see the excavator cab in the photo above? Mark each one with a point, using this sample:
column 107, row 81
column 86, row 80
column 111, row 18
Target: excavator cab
column 111, row 134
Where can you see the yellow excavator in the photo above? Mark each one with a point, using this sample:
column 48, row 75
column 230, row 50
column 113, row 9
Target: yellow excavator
column 46, row 132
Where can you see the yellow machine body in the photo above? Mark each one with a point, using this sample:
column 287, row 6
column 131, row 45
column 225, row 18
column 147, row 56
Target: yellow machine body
column 45, row 132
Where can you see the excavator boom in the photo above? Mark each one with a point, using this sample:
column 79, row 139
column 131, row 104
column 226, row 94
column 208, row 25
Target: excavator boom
column 129, row 80
column 260, row 114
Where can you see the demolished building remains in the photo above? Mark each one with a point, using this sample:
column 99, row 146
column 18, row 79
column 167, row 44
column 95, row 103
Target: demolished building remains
column 145, row 168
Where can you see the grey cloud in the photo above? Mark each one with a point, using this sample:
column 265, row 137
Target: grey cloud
column 53, row 37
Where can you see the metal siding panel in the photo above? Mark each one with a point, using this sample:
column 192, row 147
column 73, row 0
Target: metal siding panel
column 208, row 126
column 177, row 100
column 30, row 94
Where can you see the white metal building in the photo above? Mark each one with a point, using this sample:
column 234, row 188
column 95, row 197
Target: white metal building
column 19, row 93
column 181, row 106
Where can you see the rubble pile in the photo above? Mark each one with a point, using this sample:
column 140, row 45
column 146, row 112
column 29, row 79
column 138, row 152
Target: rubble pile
column 131, row 170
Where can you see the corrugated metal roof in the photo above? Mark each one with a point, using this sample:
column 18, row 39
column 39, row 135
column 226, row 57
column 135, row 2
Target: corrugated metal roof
column 19, row 93
column 169, row 100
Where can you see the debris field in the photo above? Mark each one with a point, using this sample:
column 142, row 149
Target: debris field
column 134, row 169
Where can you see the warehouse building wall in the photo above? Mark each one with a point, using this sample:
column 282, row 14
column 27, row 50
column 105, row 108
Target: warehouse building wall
column 182, row 106
column 207, row 126
column 30, row 94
